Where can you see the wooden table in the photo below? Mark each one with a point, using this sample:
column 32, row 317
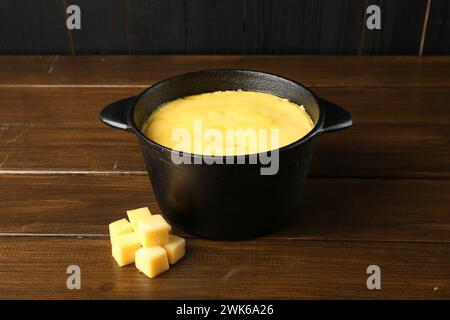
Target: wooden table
column 377, row 194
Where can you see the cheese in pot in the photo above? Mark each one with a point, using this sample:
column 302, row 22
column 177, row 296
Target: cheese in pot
column 228, row 123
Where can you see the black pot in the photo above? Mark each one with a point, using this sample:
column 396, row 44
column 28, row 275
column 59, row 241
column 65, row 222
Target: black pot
column 221, row 201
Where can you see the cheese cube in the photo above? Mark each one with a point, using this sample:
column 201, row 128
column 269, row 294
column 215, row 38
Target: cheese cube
column 118, row 227
column 175, row 248
column 124, row 248
column 152, row 261
column 153, row 231
column 137, row 215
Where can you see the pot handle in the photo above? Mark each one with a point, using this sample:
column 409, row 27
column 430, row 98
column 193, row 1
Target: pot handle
column 115, row 114
column 336, row 117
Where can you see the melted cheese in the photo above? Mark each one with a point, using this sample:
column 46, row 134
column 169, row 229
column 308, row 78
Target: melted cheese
column 222, row 122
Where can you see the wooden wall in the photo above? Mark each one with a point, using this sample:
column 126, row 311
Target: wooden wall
column 224, row 27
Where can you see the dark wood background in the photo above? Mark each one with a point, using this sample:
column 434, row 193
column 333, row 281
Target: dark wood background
column 222, row 27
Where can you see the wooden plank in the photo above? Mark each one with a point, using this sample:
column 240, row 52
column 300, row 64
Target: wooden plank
column 156, row 27
column 305, row 27
column 277, row 269
column 336, row 209
column 362, row 151
column 56, row 106
column 437, row 39
column 33, row 27
column 401, row 27
column 53, row 106
column 342, row 23
column 323, row 71
column 214, row 27
column 103, row 27
column 58, row 129
column 384, row 152
column 205, row 26
column 394, row 106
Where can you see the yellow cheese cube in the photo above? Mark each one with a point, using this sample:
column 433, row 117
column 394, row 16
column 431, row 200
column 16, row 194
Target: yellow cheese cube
column 137, row 215
column 118, row 227
column 175, row 248
column 152, row 261
column 153, row 231
column 124, row 248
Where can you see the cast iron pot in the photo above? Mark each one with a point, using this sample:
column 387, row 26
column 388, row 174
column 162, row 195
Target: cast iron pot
column 223, row 201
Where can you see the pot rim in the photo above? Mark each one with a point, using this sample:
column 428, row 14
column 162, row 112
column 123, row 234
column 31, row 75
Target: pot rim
column 311, row 134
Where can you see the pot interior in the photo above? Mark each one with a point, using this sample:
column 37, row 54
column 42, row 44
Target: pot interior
column 220, row 80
